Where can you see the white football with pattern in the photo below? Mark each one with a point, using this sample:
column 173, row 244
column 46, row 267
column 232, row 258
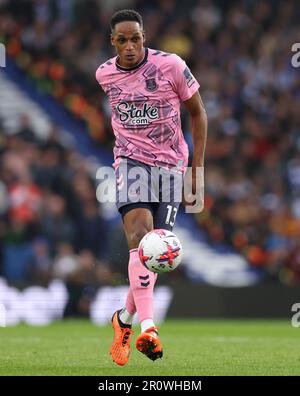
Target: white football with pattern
column 160, row 251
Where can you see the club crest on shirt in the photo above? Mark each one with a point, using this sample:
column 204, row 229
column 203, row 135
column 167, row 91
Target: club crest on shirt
column 151, row 84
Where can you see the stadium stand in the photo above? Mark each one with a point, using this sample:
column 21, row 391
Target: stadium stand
column 240, row 54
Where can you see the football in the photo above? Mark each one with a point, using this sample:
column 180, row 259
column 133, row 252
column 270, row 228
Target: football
column 160, row 251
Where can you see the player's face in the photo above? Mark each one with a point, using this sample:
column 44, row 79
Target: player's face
column 128, row 39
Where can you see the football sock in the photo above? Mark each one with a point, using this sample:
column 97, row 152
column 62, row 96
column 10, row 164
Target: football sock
column 141, row 284
column 126, row 317
column 146, row 324
column 130, row 305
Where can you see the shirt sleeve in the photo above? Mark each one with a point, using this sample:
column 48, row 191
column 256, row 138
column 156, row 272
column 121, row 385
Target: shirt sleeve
column 99, row 78
column 185, row 83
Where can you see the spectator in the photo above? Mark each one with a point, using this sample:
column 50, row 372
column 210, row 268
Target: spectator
column 91, row 231
column 56, row 225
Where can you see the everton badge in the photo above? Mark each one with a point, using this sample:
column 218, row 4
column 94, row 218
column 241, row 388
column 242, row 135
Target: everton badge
column 151, row 84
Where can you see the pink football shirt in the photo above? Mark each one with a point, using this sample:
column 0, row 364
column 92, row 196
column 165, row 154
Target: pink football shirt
column 145, row 102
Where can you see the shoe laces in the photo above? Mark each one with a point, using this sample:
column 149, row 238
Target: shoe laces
column 126, row 335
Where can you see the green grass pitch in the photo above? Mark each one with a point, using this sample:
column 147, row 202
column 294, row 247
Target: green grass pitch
column 199, row 347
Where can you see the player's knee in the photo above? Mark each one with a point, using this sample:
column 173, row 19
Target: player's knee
column 136, row 236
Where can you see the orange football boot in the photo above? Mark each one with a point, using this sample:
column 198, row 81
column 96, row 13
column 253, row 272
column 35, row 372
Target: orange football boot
column 149, row 344
column 120, row 347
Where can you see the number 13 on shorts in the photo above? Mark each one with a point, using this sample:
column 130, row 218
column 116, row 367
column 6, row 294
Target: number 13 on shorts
column 171, row 215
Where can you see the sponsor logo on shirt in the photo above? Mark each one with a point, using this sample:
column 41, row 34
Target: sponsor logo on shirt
column 133, row 115
column 189, row 77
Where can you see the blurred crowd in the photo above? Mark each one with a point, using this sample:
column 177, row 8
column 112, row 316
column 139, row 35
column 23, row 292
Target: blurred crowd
column 240, row 52
column 51, row 225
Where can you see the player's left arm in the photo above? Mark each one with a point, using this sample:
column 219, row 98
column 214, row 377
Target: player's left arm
column 198, row 120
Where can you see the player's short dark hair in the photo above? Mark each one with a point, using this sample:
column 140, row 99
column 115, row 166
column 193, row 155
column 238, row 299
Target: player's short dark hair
column 125, row 16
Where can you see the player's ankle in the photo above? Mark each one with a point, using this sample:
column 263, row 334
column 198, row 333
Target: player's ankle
column 123, row 321
column 146, row 324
